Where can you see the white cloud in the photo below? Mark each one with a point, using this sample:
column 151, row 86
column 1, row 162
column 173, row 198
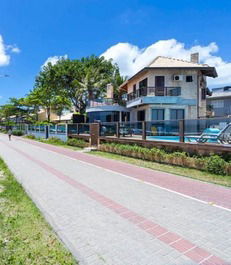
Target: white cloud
column 13, row 48
column 4, row 50
column 131, row 58
column 54, row 59
column 4, row 57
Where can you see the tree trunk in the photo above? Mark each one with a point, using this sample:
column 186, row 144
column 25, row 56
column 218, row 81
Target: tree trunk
column 48, row 114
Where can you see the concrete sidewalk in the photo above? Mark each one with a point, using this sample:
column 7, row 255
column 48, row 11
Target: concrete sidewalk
column 105, row 217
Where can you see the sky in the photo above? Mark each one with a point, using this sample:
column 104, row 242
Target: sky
column 132, row 33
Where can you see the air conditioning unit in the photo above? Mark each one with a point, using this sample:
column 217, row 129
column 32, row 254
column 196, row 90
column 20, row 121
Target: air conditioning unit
column 178, row 77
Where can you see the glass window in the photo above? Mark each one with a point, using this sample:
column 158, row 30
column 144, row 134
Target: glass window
column 141, row 115
column 143, row 83
column 217, row 103
column 189, row 78
column 157, row 114
column 177, row 114
column 103, row 116
column 203, row 93
column 125, row 116
column 174, row 91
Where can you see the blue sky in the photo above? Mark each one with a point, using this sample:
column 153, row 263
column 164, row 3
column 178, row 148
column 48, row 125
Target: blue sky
column 46, row 28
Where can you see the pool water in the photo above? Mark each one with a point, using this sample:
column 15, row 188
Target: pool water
column 174, row 139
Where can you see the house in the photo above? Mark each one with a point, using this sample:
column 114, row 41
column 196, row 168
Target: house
column 166, row 89
column 219, row 103
column 108, row 109
column 169, row 89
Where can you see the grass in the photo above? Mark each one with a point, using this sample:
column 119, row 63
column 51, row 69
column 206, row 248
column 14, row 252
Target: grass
column 25, row 238
column 186, row 172
column 181, row 171
column 56, row 143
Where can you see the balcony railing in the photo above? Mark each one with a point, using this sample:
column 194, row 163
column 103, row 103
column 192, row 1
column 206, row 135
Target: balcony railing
column 155, row 91
column 106, row 102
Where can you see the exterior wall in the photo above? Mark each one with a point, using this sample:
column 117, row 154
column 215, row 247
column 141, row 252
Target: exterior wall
column 201, row 102
column 224, row 110
column 42, row 116
column 189, row 90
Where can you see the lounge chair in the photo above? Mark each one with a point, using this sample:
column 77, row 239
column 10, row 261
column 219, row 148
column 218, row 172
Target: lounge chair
column 225, row 135
column 208, row 135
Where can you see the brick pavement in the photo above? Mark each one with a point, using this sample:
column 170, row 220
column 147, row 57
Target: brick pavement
column 106, row 218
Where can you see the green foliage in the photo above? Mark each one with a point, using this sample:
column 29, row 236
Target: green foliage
column 17, row 132
column 30, row 136
column 217, row 165
column 214, row 164
column 54, row 140
column 76, row 142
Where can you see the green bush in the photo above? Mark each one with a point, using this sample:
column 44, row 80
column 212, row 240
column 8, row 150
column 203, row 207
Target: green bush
column 17, row 132
column 76, row 142
column 30, row 136
column 216, row 165
column 54, row 140
column 213, row 164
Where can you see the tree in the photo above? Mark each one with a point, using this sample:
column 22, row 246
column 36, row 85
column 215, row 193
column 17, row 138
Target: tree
column 46, row 93
column 86, row 79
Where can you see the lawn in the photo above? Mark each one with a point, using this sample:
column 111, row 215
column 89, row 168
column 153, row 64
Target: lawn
column 182, row 171
column 26, row 238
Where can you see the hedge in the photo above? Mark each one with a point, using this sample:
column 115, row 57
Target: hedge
column 213, row 164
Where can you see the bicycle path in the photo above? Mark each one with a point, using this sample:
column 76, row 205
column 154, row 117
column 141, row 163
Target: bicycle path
column 109, row 212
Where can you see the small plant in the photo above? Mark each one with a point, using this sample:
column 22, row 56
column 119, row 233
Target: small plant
column 17, row 132
column 76, row 142
column 213, row 164
column 31, row 136
column 216, row 165
column 55, row 140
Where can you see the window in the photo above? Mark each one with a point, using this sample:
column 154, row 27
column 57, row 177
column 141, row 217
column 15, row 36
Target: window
column 103, row 116
column 125, row 116
column 203, row 93
column 217, row 104
column 174, row 91
column 177, row 114
column 141, row 115
column 157, row 114
column 134, row 88
column 143, row 83
column 189, row 78
column 143, row 87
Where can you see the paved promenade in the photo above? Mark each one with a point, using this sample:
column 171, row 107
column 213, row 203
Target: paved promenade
column 109, row 212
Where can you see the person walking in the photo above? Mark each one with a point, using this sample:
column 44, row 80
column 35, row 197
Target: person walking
column 9, row 134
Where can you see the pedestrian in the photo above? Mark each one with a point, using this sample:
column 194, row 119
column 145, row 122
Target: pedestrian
column 9, row 134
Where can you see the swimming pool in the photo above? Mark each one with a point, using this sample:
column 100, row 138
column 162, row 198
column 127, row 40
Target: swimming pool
column 175, row 139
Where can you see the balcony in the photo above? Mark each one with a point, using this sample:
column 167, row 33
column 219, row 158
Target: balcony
column 155, row 91
column 106, row 105
column 156, row 95
column 106, row 102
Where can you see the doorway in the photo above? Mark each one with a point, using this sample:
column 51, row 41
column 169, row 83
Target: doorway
column 159, row 84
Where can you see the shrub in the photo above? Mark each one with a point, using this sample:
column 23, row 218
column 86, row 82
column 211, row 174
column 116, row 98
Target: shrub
column 30, row 136
column 17, row 132
column 55, row 140
column 76, row 142
column 216, row 165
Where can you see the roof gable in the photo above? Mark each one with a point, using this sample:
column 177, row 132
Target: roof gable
column 162, row 61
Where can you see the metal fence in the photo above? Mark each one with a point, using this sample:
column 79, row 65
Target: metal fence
column 165, row 130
